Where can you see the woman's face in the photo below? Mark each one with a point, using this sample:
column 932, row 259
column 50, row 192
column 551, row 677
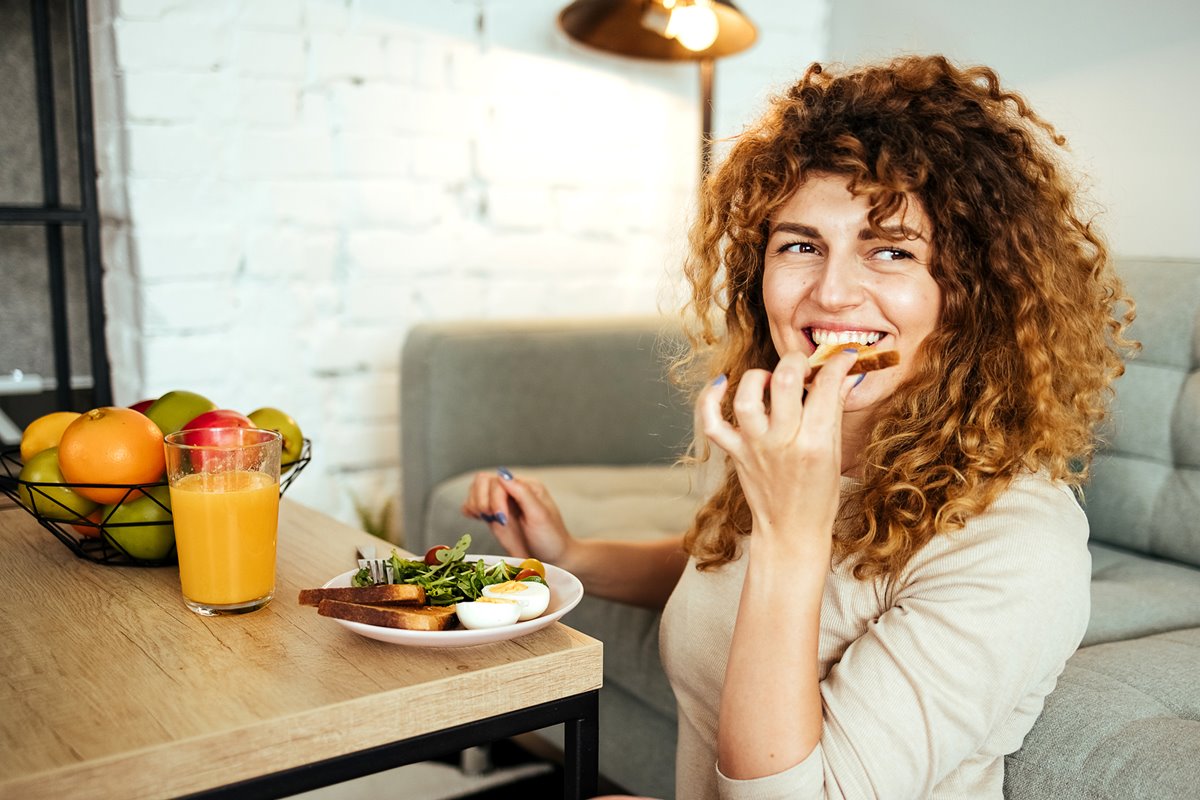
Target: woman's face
column 828, row 278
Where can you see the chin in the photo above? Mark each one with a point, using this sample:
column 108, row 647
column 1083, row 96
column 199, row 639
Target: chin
column 864, row 396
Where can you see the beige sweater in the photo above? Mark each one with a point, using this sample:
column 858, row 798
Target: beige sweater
column 927, row 681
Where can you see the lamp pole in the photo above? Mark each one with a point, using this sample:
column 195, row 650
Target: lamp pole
column 707, row 69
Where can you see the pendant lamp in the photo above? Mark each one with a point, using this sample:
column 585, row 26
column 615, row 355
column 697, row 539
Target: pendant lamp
column 665, row 30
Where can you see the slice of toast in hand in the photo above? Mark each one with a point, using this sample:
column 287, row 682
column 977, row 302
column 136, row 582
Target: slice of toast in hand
column 869, row 359
column 383, row 594
column 412, row 618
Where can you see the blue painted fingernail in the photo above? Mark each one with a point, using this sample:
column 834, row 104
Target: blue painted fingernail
column 719, row 380
column 851, row 350
column 502, row 518
column 504, row 473
column 861, row 378
column 487, row 518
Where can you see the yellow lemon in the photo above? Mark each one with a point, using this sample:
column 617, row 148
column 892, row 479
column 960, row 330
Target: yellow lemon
column 45, row 432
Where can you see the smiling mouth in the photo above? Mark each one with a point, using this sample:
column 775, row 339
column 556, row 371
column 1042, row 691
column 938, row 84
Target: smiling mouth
column 824, row 336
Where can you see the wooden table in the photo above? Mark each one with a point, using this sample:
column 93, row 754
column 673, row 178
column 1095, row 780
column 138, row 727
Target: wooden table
column 111, row 687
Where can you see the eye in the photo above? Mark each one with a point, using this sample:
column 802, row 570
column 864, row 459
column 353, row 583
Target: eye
column 892, row 254
column 797, row 247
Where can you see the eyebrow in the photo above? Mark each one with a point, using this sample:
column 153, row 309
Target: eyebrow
column 893, row 232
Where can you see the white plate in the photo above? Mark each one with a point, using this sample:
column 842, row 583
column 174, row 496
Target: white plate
column 565, row 593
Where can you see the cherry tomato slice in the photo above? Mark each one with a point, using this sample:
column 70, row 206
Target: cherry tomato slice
column 431, row 554
column 535, row 566
column 527, row 573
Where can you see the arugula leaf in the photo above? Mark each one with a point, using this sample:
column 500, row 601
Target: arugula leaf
column 453, row 579
column 362, row 578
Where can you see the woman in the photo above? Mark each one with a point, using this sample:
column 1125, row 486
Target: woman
column 893, row 570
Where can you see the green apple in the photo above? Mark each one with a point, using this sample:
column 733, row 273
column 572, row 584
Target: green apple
column 175, row 409
column 52, row 502
column 272, row 419
column 146, row 542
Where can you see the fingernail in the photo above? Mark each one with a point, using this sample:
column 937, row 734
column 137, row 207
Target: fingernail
column 719, row 380
column 502, row 518
column 504, row 473
column 487, row 518
column 851, row 351
column 861, row 378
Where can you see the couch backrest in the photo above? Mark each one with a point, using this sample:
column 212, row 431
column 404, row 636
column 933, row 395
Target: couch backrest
column 1145, row 491
column 544, row 393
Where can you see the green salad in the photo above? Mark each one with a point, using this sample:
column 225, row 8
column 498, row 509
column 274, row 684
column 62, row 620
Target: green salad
column 452, row 580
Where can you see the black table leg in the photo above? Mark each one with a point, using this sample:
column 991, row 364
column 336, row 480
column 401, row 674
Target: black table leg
column 581, row 751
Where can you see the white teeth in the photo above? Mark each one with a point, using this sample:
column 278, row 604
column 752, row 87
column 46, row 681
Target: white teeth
column 820, row 337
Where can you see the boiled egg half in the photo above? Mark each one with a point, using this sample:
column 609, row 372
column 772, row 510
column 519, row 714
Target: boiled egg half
column 488, row 612
column 532, row 595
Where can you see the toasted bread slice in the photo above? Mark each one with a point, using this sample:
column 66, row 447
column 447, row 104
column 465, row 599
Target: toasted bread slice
column 412, row 618
column 869, row 359
column 385, row 594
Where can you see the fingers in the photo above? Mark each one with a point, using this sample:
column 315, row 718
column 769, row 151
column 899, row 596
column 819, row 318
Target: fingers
column 749, row 406
column 712, row 421
column 791, row 402
column 787, row 396
column 486, row 498
column 827, row 394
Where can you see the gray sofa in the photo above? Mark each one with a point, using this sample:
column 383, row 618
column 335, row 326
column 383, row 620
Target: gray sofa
column 583, row 405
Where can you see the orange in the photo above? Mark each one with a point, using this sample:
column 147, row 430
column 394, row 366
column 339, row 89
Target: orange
column 111, row 445
column 45, row 432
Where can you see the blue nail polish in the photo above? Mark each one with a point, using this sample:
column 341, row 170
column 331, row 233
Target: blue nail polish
column 502, row 518
column 719, row 380
column 861, row 378
column 504, row 473
column 487, row 518
column 851, row 350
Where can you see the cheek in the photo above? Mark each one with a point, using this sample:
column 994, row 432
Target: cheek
column 781, row 295
column 782, row 291
column 917, row 309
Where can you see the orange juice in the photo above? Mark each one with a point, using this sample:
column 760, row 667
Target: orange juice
column 225, row 526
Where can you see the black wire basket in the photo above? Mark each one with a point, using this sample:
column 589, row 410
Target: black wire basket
column 96, row 536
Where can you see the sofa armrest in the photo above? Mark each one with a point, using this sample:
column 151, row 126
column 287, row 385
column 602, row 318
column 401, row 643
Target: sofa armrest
column 481, row 394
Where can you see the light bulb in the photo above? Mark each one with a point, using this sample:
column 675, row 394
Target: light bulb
column 694, row 25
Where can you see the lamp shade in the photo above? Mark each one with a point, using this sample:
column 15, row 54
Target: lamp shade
column 616, row 26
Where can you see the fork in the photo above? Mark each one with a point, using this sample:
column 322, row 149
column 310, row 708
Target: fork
column 380, row 568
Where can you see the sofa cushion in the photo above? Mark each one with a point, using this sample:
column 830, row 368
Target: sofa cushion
column 1145, row 487
column 1135, row 595
column 1122, row 724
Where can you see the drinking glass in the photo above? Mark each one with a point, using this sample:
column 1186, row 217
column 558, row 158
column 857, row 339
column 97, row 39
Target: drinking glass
column 224, row 485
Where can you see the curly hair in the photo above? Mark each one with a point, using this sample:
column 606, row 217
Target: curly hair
column 1018, row 374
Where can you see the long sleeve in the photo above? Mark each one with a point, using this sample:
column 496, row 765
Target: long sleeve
column 930, row 680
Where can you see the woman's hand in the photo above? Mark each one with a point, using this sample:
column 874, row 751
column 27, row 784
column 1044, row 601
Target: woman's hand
column 522, row 516
column 789, row 464
column 789, row 459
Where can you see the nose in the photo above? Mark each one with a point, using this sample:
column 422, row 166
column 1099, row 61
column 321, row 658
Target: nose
column 840, row 282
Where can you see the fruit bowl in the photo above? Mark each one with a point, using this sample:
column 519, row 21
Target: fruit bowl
column 96, row 537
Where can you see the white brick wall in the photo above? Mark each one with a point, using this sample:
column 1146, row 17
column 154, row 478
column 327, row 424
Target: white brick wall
column 289, row 185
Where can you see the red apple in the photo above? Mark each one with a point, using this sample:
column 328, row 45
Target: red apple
column 219, row 418
column 142, row 405
column 217, row 428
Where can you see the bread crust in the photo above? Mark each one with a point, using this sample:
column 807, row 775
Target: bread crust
column 867, row 360
column 383, row 594
column 411, row 618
